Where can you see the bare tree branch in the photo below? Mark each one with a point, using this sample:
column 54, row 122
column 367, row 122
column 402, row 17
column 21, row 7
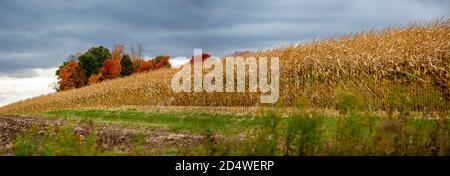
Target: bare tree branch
column 137, row 51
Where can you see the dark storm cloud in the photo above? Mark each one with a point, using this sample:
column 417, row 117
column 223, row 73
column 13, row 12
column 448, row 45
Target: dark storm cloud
column 42, row 33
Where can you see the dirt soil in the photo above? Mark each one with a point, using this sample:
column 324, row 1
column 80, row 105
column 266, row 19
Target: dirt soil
column 110, row 136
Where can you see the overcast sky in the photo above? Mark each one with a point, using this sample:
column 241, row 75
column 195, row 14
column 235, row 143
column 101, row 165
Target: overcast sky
column 40, row 34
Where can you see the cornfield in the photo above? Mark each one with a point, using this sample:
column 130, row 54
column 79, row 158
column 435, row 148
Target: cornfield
column 393, row 68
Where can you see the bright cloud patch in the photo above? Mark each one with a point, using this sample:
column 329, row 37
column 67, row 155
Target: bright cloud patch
column 178, row 61
column 14, row 89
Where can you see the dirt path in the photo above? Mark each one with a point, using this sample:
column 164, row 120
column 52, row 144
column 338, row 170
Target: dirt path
column 111, row 136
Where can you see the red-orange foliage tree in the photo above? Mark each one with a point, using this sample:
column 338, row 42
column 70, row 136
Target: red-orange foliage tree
column 71, row 76
column 146, row 66
column 116, row 53
column 111, row 67
column 94, row 78
column 157, row 63
column 163, row 61
column 204, row 57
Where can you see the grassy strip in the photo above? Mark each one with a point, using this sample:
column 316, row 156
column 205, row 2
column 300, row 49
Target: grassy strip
column 307, row 133
column 176, row 121
column 352, row 134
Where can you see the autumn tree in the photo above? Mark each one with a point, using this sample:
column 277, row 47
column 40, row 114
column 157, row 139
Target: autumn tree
column 108, row 70
column 116, row 56
column 137, row 63
column 72, row 57
column 158, row 62
column 95, row 78
column 158, row 58
column 111, row 67
column 162, row 61
column 116, row 53
column 146, row 66
column 204, row 57
column 98, row 64
column 127, row 66
column 71, row 76
column 60, row 67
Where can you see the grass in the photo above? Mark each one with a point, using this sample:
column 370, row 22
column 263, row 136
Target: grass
column 303, row 133
column 176, row 121
column 353, row 134
column 57, row 141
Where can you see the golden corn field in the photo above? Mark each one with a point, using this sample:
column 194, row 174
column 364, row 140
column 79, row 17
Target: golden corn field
column 396, row 68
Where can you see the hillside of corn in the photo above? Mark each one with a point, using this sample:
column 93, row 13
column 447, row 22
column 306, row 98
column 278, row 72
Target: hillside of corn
column 399, row 68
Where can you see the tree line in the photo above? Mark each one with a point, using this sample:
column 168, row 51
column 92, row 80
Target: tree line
column 98, row 64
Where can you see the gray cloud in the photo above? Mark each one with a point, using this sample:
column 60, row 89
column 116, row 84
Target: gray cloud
column 42, row 33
